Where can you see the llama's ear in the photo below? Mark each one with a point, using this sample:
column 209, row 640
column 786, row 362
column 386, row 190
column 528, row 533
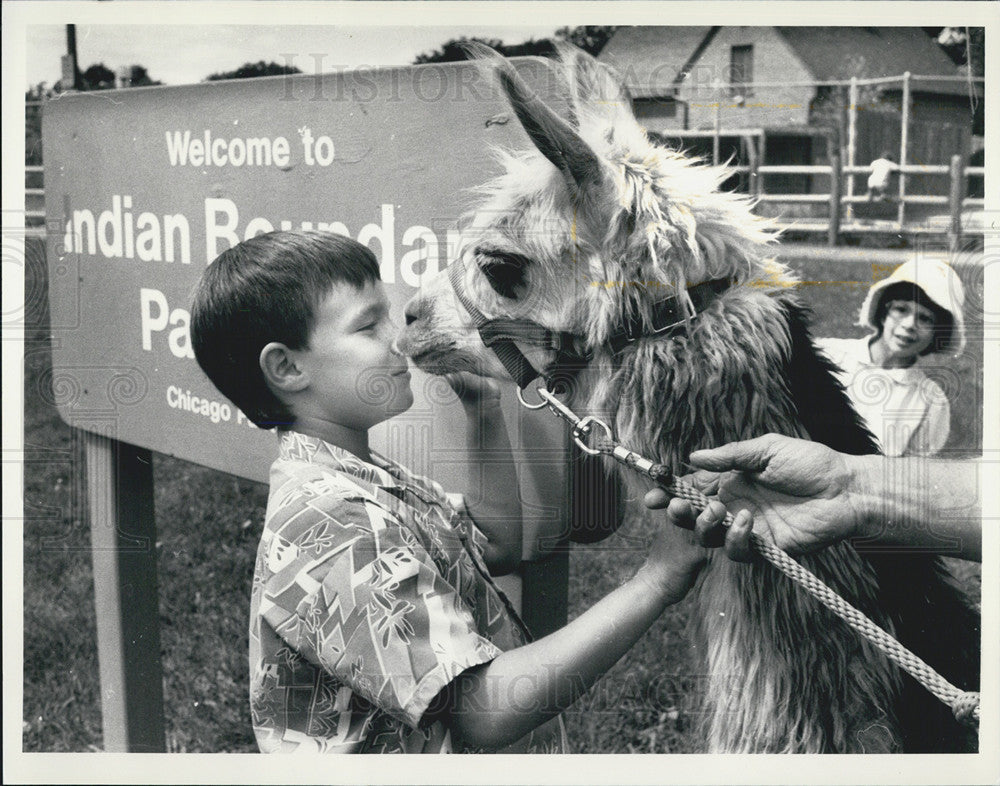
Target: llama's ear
column 477, row 50
column 599, row 93
column 592, row 81
column 555, row 139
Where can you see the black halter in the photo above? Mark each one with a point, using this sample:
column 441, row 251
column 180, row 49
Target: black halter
column 572, row 354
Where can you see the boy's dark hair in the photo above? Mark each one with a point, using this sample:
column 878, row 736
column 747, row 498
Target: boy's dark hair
column 944, row 323
column 267, row 289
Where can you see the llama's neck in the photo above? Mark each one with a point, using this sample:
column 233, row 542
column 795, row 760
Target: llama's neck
column 721, row 380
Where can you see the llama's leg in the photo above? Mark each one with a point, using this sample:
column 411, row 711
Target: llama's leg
column 785, row 675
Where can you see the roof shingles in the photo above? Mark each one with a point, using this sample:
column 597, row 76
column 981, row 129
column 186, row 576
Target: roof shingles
column 832, row 53
column 650, row 57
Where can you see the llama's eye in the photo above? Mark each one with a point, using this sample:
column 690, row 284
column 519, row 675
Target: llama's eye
column 506, row 272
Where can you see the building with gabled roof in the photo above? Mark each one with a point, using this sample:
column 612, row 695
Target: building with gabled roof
column 764, row 79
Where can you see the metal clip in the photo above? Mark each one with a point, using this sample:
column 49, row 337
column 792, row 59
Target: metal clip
column 540, row 404
column 582, row 428
column 558, row 407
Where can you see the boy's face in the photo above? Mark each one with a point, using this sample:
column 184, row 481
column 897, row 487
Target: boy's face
column 356, row 377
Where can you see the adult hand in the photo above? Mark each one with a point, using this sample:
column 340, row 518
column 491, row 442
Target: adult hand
column 794, row 492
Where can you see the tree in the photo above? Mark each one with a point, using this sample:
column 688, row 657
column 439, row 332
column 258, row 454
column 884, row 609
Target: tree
column 966, row 46
column 590, row 38
column 38, row 92
column 138, row 76
column 252, row 70
column 33, row 123
column 97, row 77
column 453, row 49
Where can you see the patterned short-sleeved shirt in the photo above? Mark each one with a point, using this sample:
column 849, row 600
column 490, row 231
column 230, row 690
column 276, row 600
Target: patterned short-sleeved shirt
column 369, row 596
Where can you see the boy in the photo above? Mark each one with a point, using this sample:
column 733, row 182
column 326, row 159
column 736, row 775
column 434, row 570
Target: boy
column 375, row 625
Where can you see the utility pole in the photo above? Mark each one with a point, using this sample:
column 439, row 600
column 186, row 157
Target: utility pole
column 70, row 68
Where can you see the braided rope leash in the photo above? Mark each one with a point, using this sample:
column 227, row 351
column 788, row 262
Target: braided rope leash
column 964, row 705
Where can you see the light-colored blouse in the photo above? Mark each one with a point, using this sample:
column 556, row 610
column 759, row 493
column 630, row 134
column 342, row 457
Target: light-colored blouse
column 904, row 408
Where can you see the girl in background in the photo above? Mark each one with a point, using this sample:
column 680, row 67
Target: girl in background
column 914, row 313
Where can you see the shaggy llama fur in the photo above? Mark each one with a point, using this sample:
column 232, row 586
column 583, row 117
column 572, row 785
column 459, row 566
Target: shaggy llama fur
column 594, row 227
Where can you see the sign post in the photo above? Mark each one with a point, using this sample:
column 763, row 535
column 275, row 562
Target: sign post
column 123, row 550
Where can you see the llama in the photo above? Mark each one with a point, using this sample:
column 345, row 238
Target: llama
column 588, row 232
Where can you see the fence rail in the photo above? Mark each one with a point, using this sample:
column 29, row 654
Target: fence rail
column 838, row 199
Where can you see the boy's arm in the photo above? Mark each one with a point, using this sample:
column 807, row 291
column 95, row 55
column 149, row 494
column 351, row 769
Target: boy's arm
column 491, row 487
column 499, row 702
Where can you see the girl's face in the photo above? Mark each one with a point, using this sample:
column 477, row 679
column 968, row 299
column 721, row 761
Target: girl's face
column 907, row 330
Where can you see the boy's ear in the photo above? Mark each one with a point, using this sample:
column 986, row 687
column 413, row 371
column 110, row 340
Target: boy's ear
column 281, row 371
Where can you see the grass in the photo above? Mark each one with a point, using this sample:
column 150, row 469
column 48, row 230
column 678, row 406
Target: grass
column 209, row 523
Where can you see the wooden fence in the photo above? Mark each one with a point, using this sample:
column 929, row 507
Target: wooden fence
column 34, row 199
column 839, row 221
column 841, row 217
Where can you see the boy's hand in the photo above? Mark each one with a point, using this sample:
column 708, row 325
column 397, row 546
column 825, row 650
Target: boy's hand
column 708, row 526
column 474, row 389
column 675, row 559
column 491, row 498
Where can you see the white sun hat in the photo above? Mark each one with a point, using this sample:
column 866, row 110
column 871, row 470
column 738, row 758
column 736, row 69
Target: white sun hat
column 939, row 282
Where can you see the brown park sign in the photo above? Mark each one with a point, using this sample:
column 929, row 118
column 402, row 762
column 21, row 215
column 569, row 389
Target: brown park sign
column 148, row 185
